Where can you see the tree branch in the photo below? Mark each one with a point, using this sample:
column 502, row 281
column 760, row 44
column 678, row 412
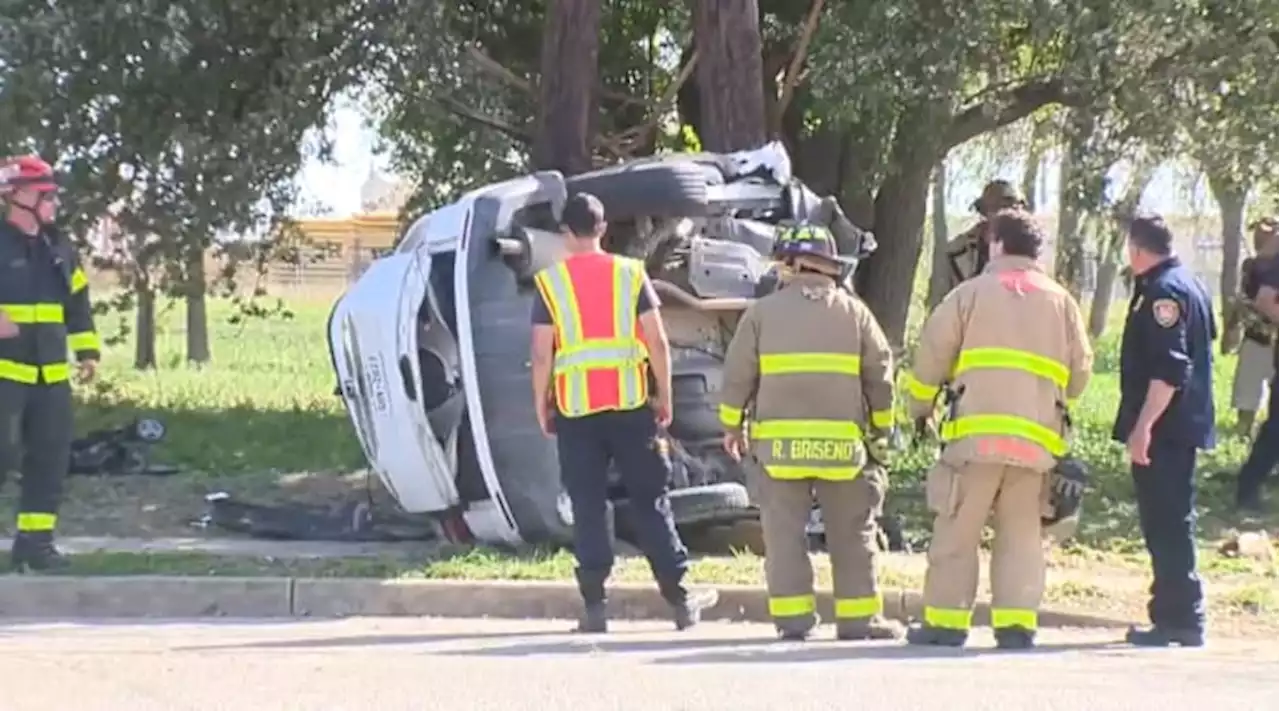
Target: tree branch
column 792, row 77
column 463, row 112
column 491, row 66
column 1018, row 104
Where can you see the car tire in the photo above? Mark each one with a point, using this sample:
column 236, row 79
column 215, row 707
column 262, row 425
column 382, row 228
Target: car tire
column 657, row 189
column 696, row 505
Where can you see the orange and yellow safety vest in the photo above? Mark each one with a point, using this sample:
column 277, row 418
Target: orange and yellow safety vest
column 601, row 362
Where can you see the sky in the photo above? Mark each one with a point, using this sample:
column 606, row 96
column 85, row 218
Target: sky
column 335, row 186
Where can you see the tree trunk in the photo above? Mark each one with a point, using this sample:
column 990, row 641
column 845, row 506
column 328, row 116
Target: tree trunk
column 197, row 311
column 939, row 266
column 144, row 345
column 1040, row 134
column 569, row 74
column 730, row 75
column 1069, row 255
column 1231, row 200
column 1111, row 242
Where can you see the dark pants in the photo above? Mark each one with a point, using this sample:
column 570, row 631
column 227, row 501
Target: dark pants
column 1166, row 510
column 629, row 440
column 35, row 439
column 1262, row 455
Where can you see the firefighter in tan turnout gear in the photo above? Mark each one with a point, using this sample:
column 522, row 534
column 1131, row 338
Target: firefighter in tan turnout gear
column 809, row 375
column 1009, row 351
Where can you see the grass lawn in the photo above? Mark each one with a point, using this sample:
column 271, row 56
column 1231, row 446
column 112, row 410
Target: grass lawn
column 262, row 421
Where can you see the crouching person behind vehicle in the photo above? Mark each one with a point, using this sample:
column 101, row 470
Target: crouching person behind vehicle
column 815, row 369
column 1011, row 342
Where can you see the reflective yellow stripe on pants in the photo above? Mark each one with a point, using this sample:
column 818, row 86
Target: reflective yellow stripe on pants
column 1005, row 617
column 36, row 522
column 853, row 608
column 793, row 606
column 948, row 619
column 32, row 374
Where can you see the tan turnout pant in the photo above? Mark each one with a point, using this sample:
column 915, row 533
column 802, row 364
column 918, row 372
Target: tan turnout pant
column 961, row 499
column 849, row 512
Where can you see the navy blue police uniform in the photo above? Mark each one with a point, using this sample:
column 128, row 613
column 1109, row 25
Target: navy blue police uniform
column 1263, row 453
column 1168, row 336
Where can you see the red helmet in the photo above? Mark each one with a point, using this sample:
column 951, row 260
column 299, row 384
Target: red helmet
column 26, row 171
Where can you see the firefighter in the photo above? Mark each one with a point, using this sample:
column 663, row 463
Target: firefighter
column 596, row 334
column 967, row 254
column 44, row 311
column 811, row 370
column 1011, row 349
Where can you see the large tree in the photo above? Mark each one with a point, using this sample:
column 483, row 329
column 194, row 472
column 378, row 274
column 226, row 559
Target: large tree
column 568, row 87
column 729, row 74
column 177, row 121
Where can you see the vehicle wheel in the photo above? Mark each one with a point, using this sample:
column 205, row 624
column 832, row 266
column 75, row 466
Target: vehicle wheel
column 714, row 503
column 662, row 189
column 149, row 430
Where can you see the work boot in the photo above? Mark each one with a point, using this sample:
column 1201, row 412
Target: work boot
column 794, row 634
column 33, row 551
column 595, row 618
column 688, row 612
column 875, row 627
column 1015, row 638
column 1159, row 636
column 936, row 636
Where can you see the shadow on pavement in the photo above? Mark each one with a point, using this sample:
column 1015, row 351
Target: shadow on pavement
column 828, row 652
column 747, row 650
column 373, row 640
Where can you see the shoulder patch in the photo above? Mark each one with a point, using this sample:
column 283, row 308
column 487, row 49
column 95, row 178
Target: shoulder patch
column 1166, row 311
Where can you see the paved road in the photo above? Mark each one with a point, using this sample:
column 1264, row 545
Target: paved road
column 487, row 665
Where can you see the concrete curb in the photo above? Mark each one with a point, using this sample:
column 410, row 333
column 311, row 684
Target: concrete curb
column 170, row 596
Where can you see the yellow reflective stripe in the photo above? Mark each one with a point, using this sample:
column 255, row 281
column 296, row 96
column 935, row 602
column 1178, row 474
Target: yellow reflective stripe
column 797, row 473
column 803, row 363
column 946, row 619
column 78, row 281
column 882, row 419
column 1004, row 425
column 1012, row 359
column 793, row 606
column 36, row 522
column 920, row 391
column 632, row 384
column 31, row 374
column 808, row 429
column 856, row 607
column 34, row 313
column 561, row 300
column 1002, row 617
column 86, row 341
column 730, row 416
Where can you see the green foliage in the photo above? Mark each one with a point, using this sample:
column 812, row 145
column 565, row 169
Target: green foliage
column 181, row 121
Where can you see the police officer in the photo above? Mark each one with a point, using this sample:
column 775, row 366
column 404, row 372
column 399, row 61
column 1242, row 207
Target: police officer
column 1011, row 348
column 1262, row 455
column 1254, row 365
column 1166, row 414
column 596, row 334
column 44, row 310
column 811, row 370
column 967, row 254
